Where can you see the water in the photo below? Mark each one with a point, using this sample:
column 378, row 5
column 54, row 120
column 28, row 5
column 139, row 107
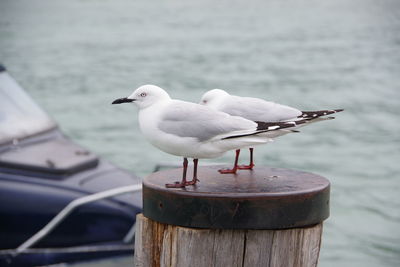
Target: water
column 75, row 57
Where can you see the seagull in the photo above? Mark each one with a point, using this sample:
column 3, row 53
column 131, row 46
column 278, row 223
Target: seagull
column 190, row 130
column 257, row 109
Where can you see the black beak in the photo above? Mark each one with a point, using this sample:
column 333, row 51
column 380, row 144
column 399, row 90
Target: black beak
column 122, row 100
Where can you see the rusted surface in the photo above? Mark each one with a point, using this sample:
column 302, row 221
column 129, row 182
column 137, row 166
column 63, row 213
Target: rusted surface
column 264, row 198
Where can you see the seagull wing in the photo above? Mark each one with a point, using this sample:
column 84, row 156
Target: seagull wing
column 256, row 109
column 187, row 119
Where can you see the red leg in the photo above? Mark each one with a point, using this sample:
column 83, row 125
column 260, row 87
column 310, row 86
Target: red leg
column 193, row 182
column 251, row 165
column 183, row 183
column 235, row 166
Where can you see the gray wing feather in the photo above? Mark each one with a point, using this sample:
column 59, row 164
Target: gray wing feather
column 256, row 109
column 186, row 119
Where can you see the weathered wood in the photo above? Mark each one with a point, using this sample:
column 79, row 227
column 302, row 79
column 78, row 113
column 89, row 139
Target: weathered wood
column 258, row 248
column 159, row 244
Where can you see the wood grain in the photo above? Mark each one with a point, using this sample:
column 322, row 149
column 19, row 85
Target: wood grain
column 158, row 244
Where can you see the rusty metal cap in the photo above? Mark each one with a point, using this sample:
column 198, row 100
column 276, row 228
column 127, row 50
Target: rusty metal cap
column 263, row 198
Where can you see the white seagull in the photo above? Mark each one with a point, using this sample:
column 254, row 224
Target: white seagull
column 257, row 109
column 194, row 131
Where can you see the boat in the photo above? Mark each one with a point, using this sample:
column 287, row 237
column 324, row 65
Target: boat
column 59, row 202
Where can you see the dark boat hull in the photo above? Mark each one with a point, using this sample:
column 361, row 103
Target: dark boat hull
column 41, row 172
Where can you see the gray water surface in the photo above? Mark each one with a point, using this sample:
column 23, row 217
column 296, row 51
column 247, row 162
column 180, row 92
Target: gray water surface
column 75, row 57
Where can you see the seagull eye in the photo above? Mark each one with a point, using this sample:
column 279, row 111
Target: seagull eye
column 143, row 94
column 204, row 101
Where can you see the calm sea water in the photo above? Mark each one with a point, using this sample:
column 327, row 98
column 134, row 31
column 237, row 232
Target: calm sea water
column 75, row 57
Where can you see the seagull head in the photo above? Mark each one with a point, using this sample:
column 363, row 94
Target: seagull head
column 213, row 98
column 144, row 96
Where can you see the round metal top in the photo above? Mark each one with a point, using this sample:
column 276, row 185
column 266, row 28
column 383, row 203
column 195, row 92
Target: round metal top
column 263, row 198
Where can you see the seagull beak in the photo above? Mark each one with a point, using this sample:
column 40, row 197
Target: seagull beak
column 122, row 100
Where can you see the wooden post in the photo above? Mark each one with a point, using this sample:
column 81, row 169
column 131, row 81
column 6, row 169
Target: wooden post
column 264, row 217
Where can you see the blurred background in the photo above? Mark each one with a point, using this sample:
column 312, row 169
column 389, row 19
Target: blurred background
column 75, row 57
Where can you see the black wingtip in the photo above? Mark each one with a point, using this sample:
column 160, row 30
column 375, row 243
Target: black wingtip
column 312, row 115
column 272, row 126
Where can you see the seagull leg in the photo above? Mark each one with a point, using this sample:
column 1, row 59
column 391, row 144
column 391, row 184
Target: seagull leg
column 251, row 165
column 193, row 182
column 183, row 183
column 235, row 166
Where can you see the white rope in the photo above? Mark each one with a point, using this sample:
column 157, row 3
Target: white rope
column 70, row 207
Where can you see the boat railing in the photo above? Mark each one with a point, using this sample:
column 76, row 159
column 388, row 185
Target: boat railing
column 62, row 215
